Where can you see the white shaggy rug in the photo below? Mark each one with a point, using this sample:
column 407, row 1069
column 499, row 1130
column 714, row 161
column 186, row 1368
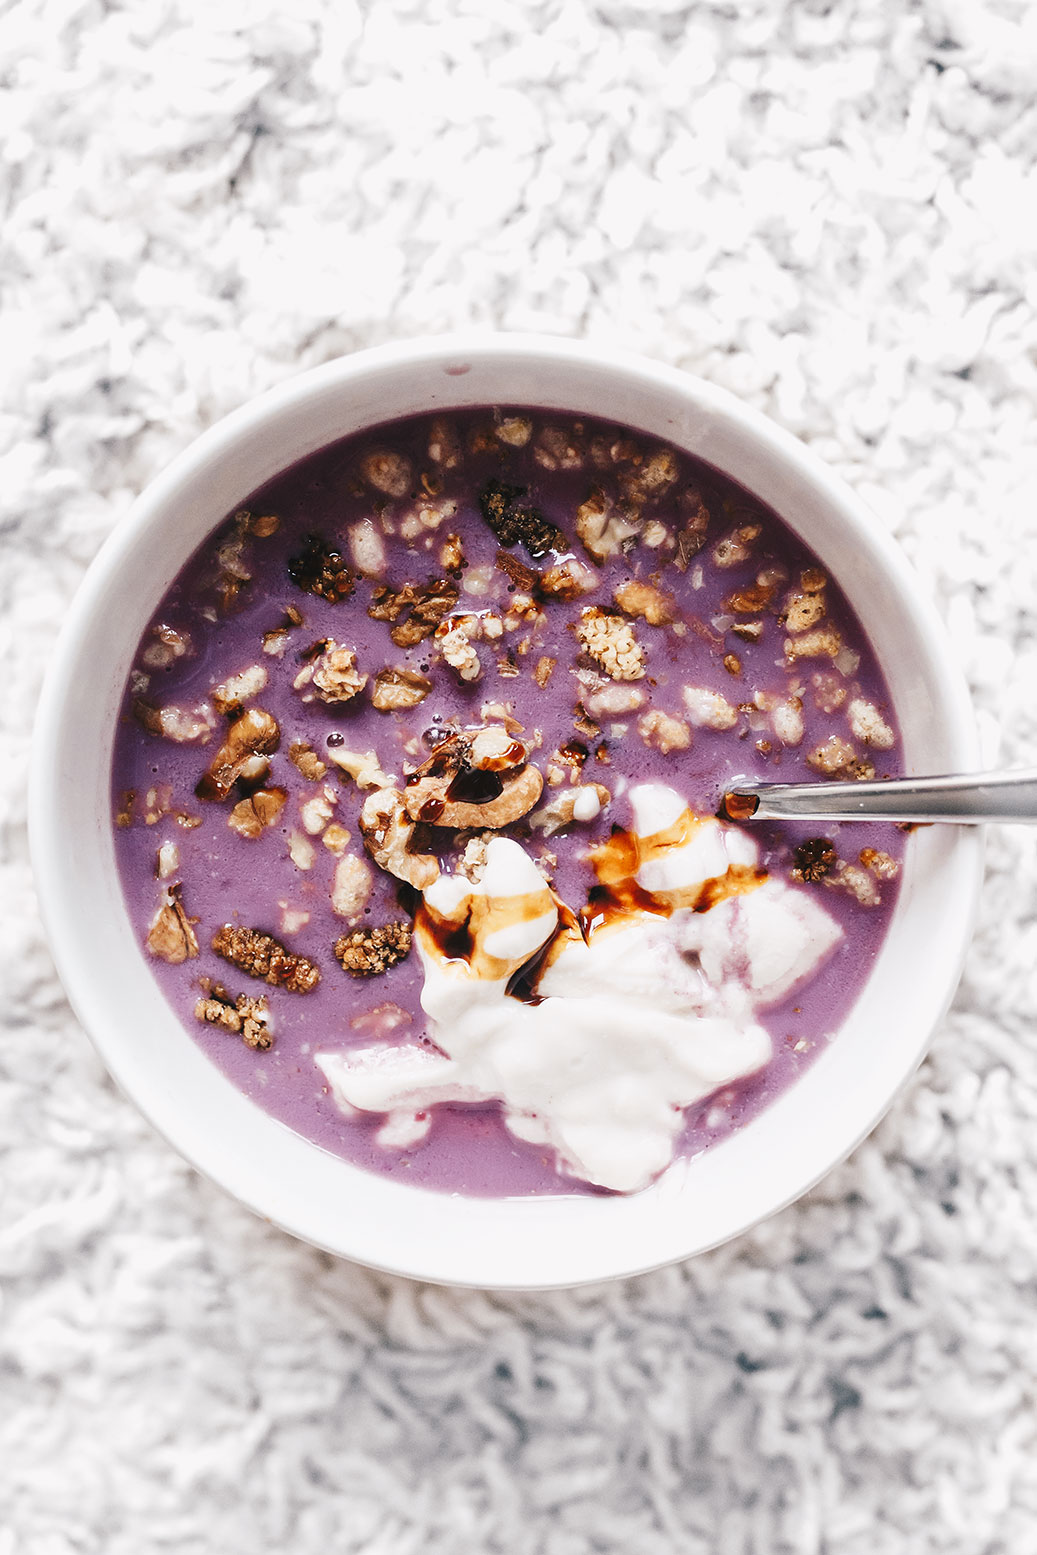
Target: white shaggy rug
column 829, row 206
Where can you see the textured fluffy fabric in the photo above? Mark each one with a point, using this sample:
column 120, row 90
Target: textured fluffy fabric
column 828, row 208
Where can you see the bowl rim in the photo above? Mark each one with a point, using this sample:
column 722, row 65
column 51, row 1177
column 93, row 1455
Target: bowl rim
column 611, row 1256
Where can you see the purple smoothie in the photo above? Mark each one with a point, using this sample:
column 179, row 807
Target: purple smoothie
column 237, row 588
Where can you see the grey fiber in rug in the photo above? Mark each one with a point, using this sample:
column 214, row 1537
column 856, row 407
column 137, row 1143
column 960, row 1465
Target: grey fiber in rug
column 828, row 208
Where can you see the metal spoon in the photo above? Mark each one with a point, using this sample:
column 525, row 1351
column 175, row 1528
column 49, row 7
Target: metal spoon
column 968, row 798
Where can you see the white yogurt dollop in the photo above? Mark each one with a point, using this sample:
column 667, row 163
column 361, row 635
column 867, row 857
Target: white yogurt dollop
column 653, row 1012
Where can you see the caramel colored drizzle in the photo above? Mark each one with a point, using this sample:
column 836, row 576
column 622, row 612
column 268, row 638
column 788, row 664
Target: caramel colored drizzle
column 462, row 939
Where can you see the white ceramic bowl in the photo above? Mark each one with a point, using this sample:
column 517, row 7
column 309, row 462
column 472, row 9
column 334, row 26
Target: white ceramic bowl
column 514, row 1242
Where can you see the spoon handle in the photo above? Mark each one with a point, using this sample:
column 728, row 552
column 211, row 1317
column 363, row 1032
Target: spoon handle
column 967, row 798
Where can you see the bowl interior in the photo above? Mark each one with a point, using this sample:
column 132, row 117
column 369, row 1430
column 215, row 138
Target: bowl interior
column 514, row 1242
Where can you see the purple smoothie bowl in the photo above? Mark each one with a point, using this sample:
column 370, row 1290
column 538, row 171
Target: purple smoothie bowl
column 454, row 1238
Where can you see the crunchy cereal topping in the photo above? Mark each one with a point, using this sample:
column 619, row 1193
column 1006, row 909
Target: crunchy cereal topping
column 421, row 609
column 708, row 709
column 236, row 690
column 641, row 599
column 250, row 817
column 736, row 547
column 802, row 611
column 859, row 884
column 881, row 865
column 603, row 528
column 334, row 675
column 517, row 523
column 837, row 758
column 458, row 651
column 182, row 725
column 583, row 802
column 367, row 548
column 516, row 431
column 171, row 935
column 316, row 811
column 351, row 887
column 868, row 725
column 166, row 647
column 543, row 670
column 260, row 955
column 823, row 642
column 813, row 860
column 167, row 861
column 444, row 445
column 396, row 686
column 335, row 838
column 607, row 701
column 666, row 734
column 751, row 599
column 610, row 642
column 555, row 449
column 451, row 555
column 787, row 718
column 244, row 1016
column 369, row 952
column 321, row 569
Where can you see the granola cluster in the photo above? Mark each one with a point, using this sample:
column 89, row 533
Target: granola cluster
column 369, row 952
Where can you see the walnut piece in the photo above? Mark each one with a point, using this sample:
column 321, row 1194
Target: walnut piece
column 421, row 609
column 369, row 952
column 260, row 955
column 396, row 686
column 751, row 599
column 458, row 652
column 361, row 766
column 444, row 446
column 664, row 733
column 451, row 554
column 387, row 831
column 255, row 733
column 813, row 860
column 351, row 887
column 244, row 1016
column 166, row 646
column 307, row 761
column 602, row 527
column 171, row 935
column 802, row 611
column 882, row 865
column 167, row 861
column 333, row 674
column 250, row 817
column 856, row 881
column 823, row 642
column 543, row 671
column 583, row 802
column 610, row 642
column 568, row 579
column 516, row 431
column 389, row 473
column 736, row 547
column 641, row 599
column 236, row 690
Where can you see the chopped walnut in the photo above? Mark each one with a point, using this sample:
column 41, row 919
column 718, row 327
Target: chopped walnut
column 444, row 447
column 260, row 955
column 124, row 812
column 301, row 850
column 171, row 935
column 351, row 887
column 482, row 782
column 293, row 919
column 837, row 758
column 236, row 690
column 167, row 645
column 389, row 473
column 823, row 642
column 751, row 599
column 473, row 860
column 451, row 554
column 233, row 570
column 748, row 631
column 422, row 609
column 736, row 547
column 602, row 527
column 543, row 671
column 733, row 664
column 516, row 431
column 425, row 518
column 307, row 761
column 333, row 675
column 524, row 576
column 250, row 817
column 813, row 860
column 367, row 548
column 664, row 733
column 182, row 725
column 641, row 599
column 555, row 449
column 387, row 831
column 514, row 522
column 335, row 838
column 708, row 709
column 610, row 642
column 243, row 1017
column 361, row 766
column 868, row 725
column 652, row 477
column 691, row 536
column 568, row 579
column 605, row 701
column 321, row 569
column 263, row 525
column 369, row 952
column 396, row 686
column 583, row 802
column 501, row 712
column 167, row 861
column 802, row 611
column 458, row 652
column 255, row 733
column 882, row 865
column 787, row 717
